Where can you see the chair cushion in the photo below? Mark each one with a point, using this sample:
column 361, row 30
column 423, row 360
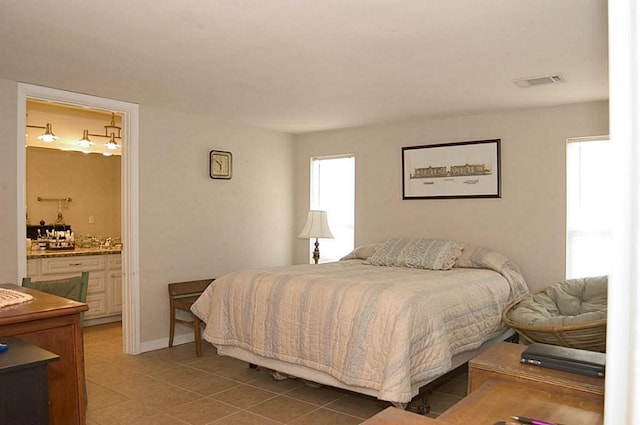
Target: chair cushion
column 566, row 303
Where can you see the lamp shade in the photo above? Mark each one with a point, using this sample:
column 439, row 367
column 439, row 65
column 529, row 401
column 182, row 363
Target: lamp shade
column 316, row 226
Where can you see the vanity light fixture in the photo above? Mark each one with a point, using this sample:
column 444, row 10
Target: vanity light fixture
column 112, row 144
column 48, row 135
column 85, row 142
column 111, row 131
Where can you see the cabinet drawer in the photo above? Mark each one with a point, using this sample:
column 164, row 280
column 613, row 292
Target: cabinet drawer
column 72, row 264
column 97, row 283
column 114, row 261
column 114, row 294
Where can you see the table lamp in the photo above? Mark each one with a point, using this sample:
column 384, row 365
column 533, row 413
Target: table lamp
column 316, row 227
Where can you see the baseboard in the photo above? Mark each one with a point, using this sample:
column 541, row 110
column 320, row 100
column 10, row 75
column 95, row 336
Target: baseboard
column 158, row 344
column 101, row 320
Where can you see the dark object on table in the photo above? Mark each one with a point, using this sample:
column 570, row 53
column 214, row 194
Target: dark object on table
column 574, row 360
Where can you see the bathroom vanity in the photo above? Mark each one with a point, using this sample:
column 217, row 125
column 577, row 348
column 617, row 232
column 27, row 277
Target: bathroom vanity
column 104, row 295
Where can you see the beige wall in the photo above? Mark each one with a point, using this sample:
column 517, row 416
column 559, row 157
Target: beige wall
column 8, row 188
column 92, row 181
column 190, row 226
column 527, row 223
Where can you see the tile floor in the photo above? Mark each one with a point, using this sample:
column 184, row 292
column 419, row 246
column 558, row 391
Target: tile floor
column 174, row 387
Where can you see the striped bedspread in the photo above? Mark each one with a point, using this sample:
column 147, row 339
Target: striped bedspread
column 382, row 328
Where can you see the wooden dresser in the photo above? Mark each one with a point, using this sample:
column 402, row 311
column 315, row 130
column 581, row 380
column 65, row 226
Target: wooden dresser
column 52, row 323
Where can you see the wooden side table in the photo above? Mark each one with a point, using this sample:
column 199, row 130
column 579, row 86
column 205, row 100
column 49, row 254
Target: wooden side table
column 24, row 398
column 502, row 362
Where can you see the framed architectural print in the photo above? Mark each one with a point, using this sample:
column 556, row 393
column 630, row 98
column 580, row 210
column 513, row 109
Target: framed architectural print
column 220, row 163
column 452, row 170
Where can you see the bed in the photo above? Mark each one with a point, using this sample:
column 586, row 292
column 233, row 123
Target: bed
column 384, row 321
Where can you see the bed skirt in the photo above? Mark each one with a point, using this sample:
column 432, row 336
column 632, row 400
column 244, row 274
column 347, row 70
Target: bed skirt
column 312, row 375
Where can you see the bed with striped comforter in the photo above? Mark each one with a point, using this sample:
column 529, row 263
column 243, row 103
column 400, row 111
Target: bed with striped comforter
column 382, row 329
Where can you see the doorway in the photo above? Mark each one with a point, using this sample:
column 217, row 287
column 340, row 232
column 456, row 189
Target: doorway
column 129, row 195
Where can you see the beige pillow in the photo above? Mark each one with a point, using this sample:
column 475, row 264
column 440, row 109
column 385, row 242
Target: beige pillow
column 362, row 252
column 433, row 254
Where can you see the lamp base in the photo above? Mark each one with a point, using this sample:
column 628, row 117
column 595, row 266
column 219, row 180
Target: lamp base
column 316, row 252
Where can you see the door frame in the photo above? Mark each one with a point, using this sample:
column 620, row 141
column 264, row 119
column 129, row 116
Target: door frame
column 129, row 195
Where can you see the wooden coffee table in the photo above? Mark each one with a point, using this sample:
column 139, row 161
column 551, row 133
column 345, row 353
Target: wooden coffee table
column 500, row 386
column 497, row 400
column 502, row 361
column 395, row 416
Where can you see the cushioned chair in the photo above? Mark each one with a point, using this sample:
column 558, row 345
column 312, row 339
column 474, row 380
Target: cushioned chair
column 571, row 313
column 73, row 288
column 181, row 296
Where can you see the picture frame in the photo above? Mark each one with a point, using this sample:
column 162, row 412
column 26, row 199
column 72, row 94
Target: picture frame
column 452, row 170
column 220, row 164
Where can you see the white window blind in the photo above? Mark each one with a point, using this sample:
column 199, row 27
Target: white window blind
column 333, row 190
column 589, row 207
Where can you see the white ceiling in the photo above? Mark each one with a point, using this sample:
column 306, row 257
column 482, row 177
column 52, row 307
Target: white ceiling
column 307, row 65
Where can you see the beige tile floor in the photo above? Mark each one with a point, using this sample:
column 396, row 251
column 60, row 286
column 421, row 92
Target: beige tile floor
column 174, row 387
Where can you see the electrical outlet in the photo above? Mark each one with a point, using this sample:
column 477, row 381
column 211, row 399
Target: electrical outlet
column 91, row 219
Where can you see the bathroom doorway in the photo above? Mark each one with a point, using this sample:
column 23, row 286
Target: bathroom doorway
column 129, row 193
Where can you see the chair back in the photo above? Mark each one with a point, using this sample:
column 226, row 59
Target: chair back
column 73, row 288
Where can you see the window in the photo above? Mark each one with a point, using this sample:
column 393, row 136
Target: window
column 589, row 200
column 333, row 190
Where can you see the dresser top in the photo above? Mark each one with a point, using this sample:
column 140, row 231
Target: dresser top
column 42, row 306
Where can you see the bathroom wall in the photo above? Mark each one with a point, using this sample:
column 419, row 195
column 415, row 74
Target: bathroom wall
column 92, row 181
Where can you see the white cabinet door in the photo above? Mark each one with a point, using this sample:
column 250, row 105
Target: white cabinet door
column 114, row 293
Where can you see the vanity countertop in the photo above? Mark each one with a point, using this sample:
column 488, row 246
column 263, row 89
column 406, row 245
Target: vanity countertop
column 72, row 252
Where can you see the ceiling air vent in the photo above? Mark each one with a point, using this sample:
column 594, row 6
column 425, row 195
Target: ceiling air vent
column 539, row 81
